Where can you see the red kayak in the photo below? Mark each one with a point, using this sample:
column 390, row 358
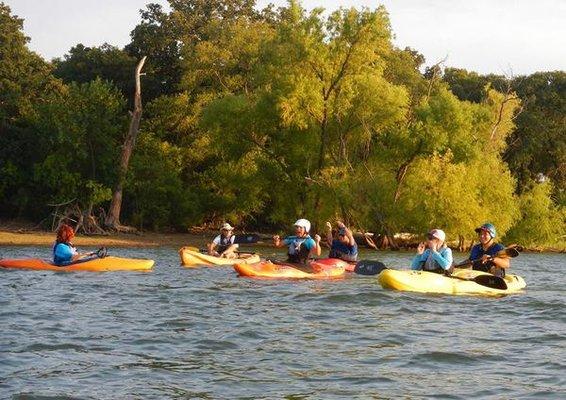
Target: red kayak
column 324, row 268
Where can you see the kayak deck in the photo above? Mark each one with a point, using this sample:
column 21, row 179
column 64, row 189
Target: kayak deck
column 191, row 257
column 430, row 282
column 321, row 269
column 96, row 264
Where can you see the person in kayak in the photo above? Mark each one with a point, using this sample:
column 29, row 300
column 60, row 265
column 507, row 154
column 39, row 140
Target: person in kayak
column 344, row 246
column 223, row 245
column 64, row 253
column 301, row 245
column 483, row 253
column 434, row 255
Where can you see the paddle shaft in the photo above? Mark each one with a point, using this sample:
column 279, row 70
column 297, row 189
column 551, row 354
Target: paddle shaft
column 509, row 252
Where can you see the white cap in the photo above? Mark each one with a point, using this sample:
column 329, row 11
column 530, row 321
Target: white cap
column 304, row 223
column 226, row 226
column 439, row 234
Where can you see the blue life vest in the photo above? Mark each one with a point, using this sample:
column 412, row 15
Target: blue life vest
column 63, row 253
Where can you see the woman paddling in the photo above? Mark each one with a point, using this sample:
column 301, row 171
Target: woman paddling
column 64, row 253
column 433, row 255
column 484, row 253
column 301, row 246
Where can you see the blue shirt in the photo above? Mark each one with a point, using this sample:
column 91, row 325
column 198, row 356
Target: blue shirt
column 344, row 251
column 295, row 243
column 63, row 253
column 442, row 259
column 477, row 251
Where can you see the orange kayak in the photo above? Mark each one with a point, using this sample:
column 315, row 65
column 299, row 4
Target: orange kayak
column 96, row 264
column 326, row 268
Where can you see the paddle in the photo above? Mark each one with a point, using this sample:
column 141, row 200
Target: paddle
column 247, row 239
column 100, row 253
column 510, row 252
column 205, row 251
column 369, row 267
column 490, row 281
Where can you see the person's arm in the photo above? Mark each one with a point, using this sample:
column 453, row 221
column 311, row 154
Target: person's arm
column 211, row 246
column 443, row 257
column 232, row 248
column 277, row 242
column 329, row 237
column 317, row 249
column 350, row 236
column 417, row 262
column 501, row 262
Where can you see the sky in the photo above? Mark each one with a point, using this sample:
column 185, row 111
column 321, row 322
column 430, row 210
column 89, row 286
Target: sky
column 511, row 37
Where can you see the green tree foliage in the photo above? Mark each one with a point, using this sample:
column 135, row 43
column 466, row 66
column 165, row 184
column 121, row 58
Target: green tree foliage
column 157, row 37
column 260, row 117
column 538, row 145
column 541, row 221
column 339, row 126
column 85, row 64
column 24, row 79
column 79, row 131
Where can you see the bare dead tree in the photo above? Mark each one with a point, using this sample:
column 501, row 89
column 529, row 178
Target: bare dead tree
column 113, row 218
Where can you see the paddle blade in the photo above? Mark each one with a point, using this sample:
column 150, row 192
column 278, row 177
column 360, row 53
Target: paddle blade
column 508, row 252
column 369, row 267
column 491, row 281
column 247, row 239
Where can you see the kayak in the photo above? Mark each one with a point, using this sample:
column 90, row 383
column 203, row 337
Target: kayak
column 326, row 268
column 461, row 282
column 191, row 257
column 95, row 264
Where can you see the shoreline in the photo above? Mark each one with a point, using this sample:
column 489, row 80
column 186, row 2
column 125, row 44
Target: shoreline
column 146, row 240
column 21, row 237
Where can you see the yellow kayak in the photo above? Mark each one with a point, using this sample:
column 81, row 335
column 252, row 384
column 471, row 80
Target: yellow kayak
column 463, row 281
column 95, row 264
column 191, row 257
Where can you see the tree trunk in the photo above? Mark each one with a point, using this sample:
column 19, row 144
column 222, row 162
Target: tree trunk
column 113, row 217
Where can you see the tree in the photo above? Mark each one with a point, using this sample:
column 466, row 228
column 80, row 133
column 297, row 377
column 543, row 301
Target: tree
column 25, row 80
column 541, row 222
column 78, row 130
column 113, row 217
column 538, row 145
column 85, row 64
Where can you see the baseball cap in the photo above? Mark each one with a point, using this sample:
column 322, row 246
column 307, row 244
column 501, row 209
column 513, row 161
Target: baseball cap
column 437, row 233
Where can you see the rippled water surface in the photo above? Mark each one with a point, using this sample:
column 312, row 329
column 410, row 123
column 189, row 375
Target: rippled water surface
column 205, row 333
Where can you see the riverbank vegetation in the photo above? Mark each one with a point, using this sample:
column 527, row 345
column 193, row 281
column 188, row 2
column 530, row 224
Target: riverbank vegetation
column 259, row 117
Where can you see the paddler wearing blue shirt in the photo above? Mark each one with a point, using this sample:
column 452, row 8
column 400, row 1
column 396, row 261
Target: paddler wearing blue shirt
column 301, row 246
column 64, row 253
column 344, row 246
column 484, row 252
column 434, row 255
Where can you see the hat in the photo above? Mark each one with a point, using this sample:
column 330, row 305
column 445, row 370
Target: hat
column 305, row 223
column 439, row 234
column 488, row 227
column 226, row 226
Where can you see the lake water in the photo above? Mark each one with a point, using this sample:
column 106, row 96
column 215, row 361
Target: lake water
column 179, row 333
